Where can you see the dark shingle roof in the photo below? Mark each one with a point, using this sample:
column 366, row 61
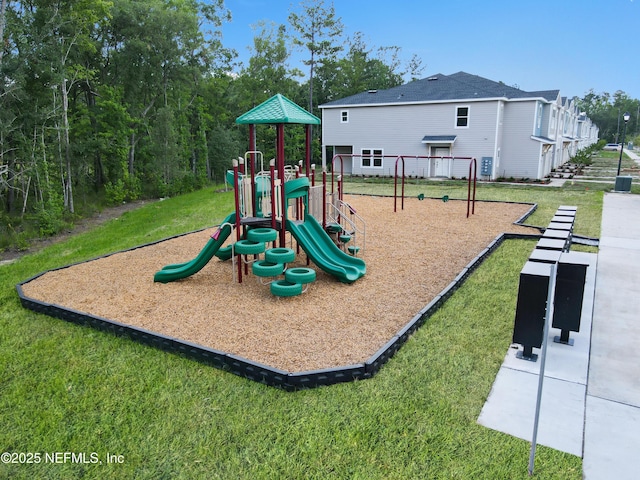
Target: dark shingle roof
column 549, row 95
column 439, row 138
column 458, row 86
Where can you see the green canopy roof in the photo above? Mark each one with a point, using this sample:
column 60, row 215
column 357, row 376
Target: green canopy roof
column 278, row 109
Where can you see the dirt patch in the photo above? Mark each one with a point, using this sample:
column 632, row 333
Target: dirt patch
column 83, row 225
column 411, row 256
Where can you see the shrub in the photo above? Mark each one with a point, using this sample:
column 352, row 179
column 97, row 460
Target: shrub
column 50, row 215
column 583, row 156
column 123, row 190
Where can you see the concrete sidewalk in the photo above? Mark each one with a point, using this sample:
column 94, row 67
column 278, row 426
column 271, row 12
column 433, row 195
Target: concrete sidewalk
column 591, row 392
column 612, row 420
column 631, row 155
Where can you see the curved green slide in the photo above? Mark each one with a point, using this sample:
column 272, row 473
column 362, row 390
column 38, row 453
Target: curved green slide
column 172, row 272
column 323, row 252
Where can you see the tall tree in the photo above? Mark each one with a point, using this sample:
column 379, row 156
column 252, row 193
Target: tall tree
column 606, row 111
column 362, row 68
column 58, row 41
column 268, row 71
column 319, row 31
column 3, row 15
column 157, row 51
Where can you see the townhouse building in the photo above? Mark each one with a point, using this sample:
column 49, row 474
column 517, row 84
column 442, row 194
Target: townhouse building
column 438, row 123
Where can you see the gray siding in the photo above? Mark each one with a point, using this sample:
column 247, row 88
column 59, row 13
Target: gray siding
column 399, row 130
column 499, row 128
column 520, row 154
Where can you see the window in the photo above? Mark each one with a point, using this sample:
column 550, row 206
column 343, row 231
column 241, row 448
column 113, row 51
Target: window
column 539, row 118
column 372, row 157
column 344, row 116
column 462, row 117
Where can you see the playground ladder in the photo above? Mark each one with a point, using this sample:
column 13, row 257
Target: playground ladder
column 342, row 213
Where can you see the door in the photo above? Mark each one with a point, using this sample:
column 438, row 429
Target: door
column 440, row 166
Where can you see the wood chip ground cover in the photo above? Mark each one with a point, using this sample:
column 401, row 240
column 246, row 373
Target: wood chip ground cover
column 411, row 255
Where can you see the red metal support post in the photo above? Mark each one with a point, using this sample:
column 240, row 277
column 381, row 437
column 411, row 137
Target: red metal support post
column 324, row 197
column 339, row 156
column 473, row 167
column 237, row 205
column 395, row 184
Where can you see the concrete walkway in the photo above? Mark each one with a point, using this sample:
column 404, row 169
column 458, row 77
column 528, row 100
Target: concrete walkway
column 632, row 155
column 612, row 421
column 591, row 392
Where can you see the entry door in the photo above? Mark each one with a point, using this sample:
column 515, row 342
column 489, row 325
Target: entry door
column 440, row 165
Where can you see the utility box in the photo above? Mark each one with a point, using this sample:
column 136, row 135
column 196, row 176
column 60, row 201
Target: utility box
column 531, row 308
column 623, row 183
column 569, row 294
column 486, row 166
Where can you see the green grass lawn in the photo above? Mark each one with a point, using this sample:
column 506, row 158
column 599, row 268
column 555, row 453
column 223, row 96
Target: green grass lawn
column 605, row 165
column 67, row 388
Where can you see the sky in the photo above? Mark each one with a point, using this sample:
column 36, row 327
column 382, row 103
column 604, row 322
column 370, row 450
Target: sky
column 567, row 45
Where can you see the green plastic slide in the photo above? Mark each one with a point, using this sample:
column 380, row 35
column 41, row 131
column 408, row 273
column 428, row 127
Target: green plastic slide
column 318, row 245
column 169, row 273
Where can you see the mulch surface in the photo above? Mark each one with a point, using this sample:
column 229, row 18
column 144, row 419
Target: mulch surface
column 411, row 255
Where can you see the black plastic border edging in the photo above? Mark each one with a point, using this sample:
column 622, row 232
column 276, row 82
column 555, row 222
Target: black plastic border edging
column 253, row 370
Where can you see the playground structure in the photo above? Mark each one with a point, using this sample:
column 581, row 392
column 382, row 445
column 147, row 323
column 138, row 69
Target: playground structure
column 270, row 203
column 400, row 160
column 471, row 180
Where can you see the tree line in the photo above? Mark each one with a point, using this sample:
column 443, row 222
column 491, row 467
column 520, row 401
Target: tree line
column 607, row 112
column 113, row 100
column 105, row 101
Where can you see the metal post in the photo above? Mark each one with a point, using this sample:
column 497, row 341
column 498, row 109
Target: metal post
column 236, row 188
column 252, row 159
column 280, row 167
column 272, row 172
column 307, row 143
column 473, row 168
column 543, row 355
column 624, row 133
column 324, row 196
column 395, row 184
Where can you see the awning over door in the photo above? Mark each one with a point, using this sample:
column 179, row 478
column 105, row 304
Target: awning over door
column 543, row 139
column 439, row 139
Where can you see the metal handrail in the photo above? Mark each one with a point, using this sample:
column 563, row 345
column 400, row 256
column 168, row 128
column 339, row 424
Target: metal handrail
column 338, row 214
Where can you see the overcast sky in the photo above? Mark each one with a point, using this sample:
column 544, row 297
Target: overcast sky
column 570, row 45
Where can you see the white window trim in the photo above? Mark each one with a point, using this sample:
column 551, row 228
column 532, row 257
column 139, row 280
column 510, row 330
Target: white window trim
column 553, row 121
column 372, row 155
column 539, row 114
column 455, row 119
column 342, row 116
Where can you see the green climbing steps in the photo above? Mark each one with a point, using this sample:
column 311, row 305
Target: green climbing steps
column 274, row 264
